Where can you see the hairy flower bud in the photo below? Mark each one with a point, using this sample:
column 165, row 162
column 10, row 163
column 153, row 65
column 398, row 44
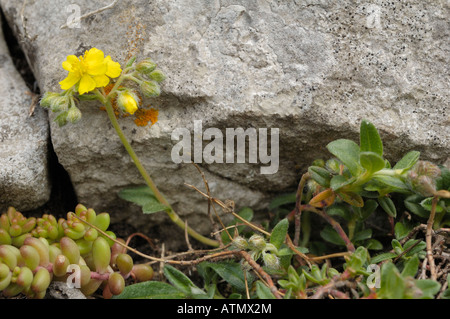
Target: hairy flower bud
column 422, row 178
column 240, row 243
column 73, row 114
column 146, row 66
column 150, row 89
column 257, row 242
column 271, row 261
column 157, row 75
column 128, row 101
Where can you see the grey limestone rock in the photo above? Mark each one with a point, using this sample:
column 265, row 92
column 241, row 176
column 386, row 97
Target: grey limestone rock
column 314, row 69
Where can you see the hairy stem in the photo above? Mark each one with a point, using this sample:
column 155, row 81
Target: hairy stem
column 170, row 212
column 428, row 238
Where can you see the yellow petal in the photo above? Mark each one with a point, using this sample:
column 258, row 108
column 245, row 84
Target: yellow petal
column 94, row 62
column 70, row 62
column 101, row 80
column 114, row 69
column 69, row 81
column 87, row 84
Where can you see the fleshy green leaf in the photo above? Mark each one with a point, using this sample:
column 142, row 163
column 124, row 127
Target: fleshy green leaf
column 412, row 203
column 348, row 153
column 279, row 233
column 381, row 257
column 339, row 181
column 369, row 138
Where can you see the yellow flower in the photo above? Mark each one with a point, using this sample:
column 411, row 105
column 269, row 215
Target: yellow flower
column 128, row 102
column 90, row 71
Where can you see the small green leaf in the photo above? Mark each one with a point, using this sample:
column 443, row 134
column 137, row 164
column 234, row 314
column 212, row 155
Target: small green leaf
column 392, row 284
column 178, row 279
column 362, row 235
column 139, row 195
column 153, row 206
column 371, row 161
column 348, row 153
column 341, row 210
column 374, row 244
column 427, row 204
column 150, row 290
column 279, row 233
column 320, row 175
column 412, row 203
column 230, row 272
column 353, row 199
column 411, row 267
column 408, row 160
column 388, row 206
column 401, row 230
column 339, row 181
column 381, row 257
column 331, row 236
column 369, row 138
column 395, row 183
column 282, row 200
column 263, row 292
column 428, row 287
column 369, row 207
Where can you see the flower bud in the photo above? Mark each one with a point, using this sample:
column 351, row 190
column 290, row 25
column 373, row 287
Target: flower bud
column 73, row 114
column 257, row 242
column 146, row 66
column 47, row 98
column 157, row 76
column 271, row 261
column 59, row 104
column 240, row 243
column 150, row 89
column 422, row 178
column 128, row 101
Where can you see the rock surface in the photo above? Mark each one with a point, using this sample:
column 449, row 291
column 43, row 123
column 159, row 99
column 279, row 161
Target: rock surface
column 24, row 181
column 314, row 69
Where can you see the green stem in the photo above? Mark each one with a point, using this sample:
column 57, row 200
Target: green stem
column 170, row 212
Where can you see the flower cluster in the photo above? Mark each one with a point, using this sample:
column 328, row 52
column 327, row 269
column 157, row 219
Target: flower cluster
column 96, row 77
